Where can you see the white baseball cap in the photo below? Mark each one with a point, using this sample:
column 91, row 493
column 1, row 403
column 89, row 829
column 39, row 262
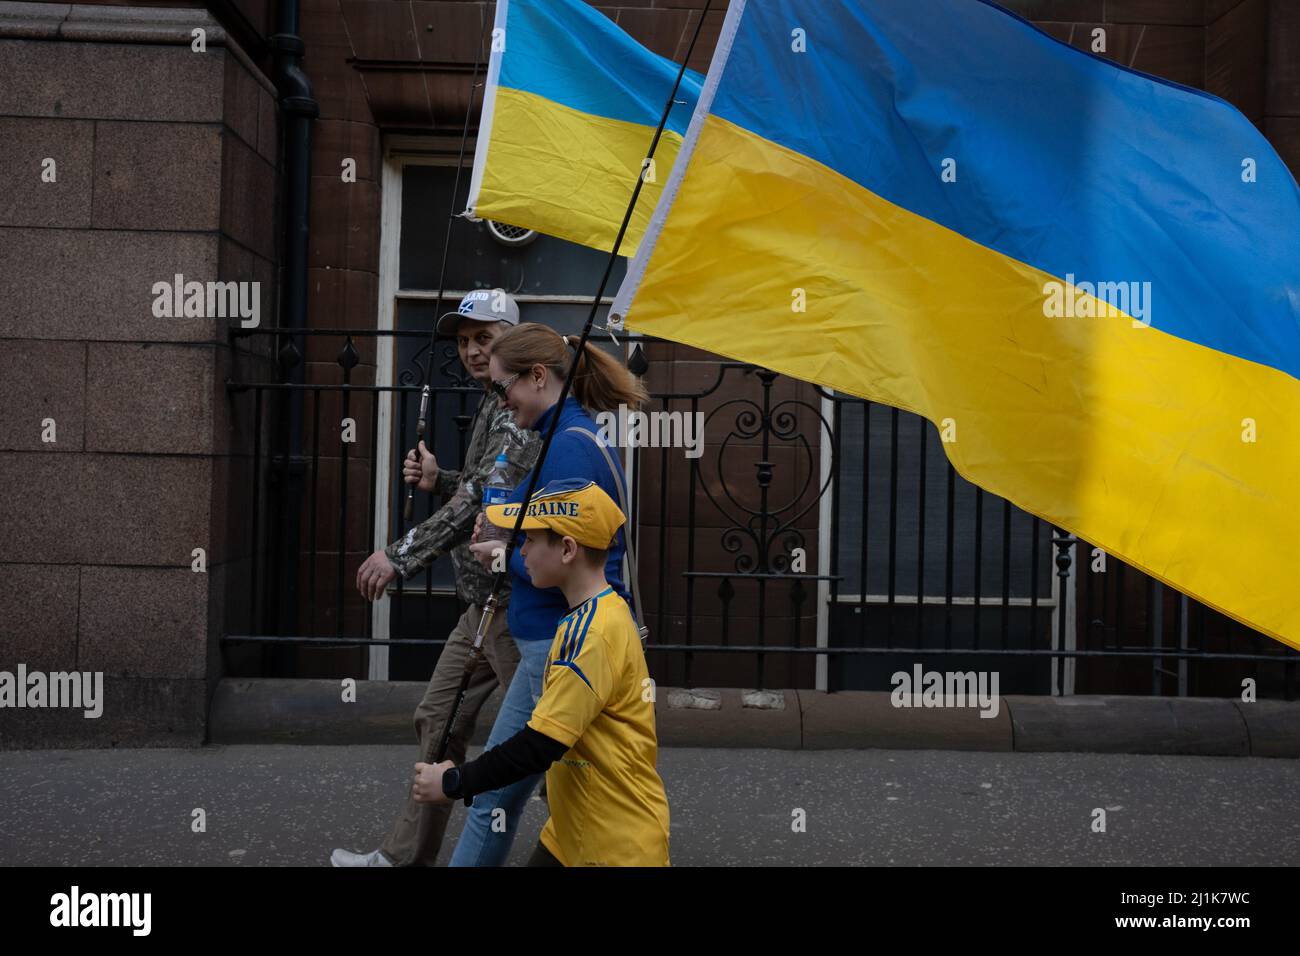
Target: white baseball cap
column 482, row 305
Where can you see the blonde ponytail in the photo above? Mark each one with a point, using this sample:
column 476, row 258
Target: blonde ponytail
column 600, row 384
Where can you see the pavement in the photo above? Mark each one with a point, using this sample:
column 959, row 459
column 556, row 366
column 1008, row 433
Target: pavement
column 287, row 805
column 274, row 711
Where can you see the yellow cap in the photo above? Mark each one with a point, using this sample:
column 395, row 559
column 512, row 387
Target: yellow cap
column 568, row 506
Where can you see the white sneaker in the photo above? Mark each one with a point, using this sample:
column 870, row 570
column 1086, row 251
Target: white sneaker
column 348, row 858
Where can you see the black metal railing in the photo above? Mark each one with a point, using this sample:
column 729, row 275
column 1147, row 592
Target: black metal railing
column 918, row 565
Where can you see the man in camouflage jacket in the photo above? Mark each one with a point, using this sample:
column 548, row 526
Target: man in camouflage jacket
column 482, row 316
column 494, row 431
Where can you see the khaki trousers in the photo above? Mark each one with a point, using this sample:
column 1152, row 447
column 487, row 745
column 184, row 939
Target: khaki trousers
column 417, row 835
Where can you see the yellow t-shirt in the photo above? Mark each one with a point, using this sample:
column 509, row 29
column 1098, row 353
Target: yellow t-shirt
column 608, row 806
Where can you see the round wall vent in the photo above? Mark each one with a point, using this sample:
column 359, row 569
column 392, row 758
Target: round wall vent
column 510, row 235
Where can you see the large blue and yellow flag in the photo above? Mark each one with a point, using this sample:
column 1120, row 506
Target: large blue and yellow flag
column 1088, row 277
column 570, row 108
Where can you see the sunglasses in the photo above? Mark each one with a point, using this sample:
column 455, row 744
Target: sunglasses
column 500, row 388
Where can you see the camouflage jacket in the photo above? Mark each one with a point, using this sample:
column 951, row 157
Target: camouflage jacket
column 449, row 528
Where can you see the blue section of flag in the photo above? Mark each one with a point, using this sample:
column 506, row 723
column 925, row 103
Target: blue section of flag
column 571, row 53
column 1063, row 160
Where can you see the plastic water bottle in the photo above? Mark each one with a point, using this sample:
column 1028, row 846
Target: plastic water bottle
column 496, row 491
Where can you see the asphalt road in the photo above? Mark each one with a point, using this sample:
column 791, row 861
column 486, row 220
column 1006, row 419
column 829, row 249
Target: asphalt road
column 290, row 805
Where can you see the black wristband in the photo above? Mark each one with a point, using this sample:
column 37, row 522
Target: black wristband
column 451, row 785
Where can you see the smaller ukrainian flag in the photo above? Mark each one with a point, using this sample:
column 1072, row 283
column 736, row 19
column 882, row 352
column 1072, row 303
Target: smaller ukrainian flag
column 570, row 109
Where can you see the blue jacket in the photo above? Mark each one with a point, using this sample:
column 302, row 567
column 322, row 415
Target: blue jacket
column 535, row 613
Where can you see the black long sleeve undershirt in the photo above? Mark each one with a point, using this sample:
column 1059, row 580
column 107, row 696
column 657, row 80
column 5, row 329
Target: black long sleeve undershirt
column 526, row 753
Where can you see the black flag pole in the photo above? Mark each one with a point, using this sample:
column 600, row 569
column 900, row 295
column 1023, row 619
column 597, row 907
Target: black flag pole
column 422, row 420
column 490, row 606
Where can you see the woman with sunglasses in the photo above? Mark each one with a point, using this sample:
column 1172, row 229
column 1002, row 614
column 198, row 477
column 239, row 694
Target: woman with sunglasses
column 528, row 366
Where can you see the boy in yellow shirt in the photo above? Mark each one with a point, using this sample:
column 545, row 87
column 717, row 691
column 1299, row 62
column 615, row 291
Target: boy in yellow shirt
column 594, row 726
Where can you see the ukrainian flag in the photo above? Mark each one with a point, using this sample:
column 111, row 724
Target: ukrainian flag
column 570, row 108
column 1090, row 275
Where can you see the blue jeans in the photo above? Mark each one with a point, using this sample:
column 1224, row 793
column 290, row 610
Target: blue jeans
column 479, row 843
